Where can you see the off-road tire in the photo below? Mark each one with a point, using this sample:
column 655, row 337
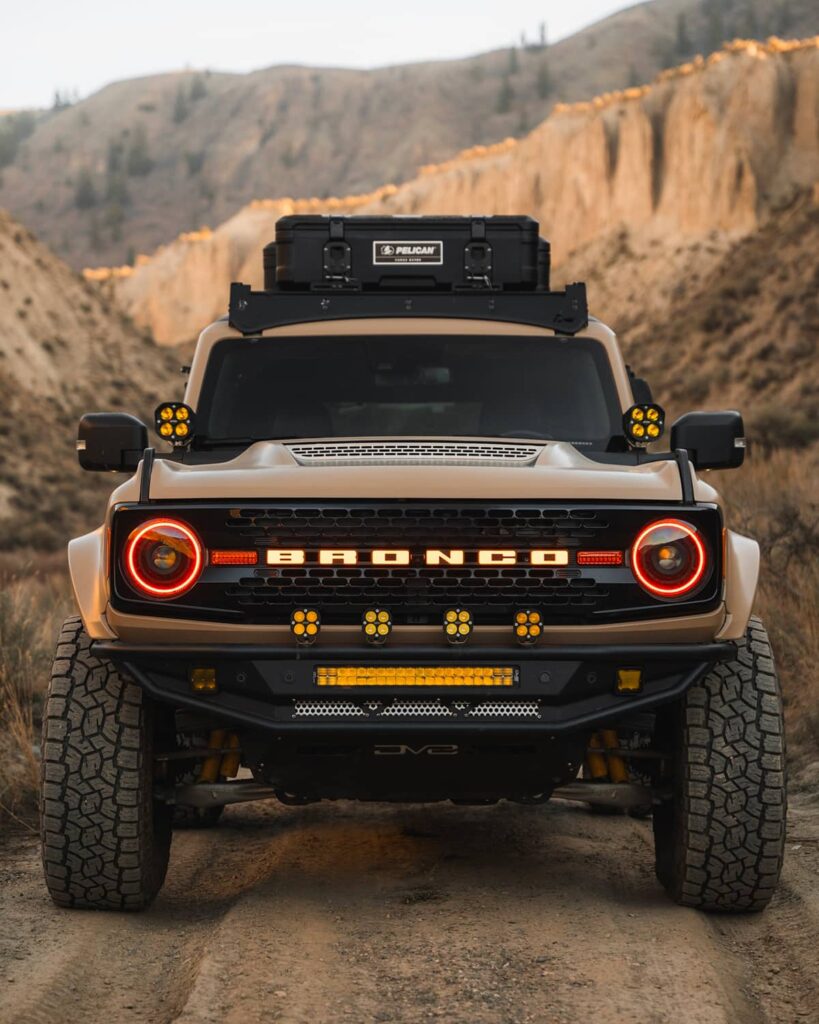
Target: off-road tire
column 720, row 839
column 105, row 839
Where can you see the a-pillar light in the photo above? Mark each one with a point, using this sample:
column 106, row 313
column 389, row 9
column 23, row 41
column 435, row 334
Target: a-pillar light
column 174, row 423
column 643, row 424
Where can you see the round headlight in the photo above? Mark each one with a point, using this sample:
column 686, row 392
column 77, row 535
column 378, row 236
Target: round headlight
column 163, row 558
column 668, row 558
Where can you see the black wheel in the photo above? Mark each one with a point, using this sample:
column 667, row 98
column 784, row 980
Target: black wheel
column 105, row 839
column 720, row 839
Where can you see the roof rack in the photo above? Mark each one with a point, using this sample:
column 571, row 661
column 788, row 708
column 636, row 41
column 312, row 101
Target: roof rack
column 565, row 312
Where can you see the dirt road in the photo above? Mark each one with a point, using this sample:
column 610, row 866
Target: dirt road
column 366, row 913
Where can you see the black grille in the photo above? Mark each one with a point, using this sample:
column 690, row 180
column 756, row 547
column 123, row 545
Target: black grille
column 418, row 594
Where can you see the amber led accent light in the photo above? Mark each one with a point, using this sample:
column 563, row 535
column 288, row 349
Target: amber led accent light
column 233, row 557
column 600, row 557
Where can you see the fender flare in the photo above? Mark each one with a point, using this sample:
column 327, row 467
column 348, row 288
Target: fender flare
column 741, row 579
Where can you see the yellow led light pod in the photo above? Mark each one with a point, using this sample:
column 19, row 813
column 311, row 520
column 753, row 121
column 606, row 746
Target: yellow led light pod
column 305, row 625
column 458, row 625
column 528, row 626
column 376, row 624
column 174, row 422
column 643, row 424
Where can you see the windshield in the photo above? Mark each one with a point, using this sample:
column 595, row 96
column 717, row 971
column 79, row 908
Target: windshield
column 410, row 386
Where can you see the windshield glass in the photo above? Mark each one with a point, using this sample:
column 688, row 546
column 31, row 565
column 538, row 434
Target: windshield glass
column 410, row 386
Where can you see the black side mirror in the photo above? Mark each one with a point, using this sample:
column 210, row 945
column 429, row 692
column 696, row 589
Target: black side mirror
column 713, row 440
column 111, row 441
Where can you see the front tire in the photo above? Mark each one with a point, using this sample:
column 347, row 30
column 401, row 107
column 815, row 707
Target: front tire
column 105, row 839
column 720, row 839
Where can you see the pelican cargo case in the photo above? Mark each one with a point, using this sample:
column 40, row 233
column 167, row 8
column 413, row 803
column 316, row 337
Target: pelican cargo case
column 442, row 253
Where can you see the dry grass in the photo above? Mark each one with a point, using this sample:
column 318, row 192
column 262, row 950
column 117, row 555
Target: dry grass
column 776, row 500
column 33, row 604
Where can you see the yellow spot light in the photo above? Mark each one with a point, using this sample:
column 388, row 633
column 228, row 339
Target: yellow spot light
column 527, row 626
column 377, row 625
column 629, row 680
column 305, row 624
column 457, row 625
column 203, row 680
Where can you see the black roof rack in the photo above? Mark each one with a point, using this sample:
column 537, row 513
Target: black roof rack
column 565, row 312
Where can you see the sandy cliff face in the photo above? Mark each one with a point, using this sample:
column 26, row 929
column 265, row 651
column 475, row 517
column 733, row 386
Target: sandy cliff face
column 63, row 351
column 715, row 146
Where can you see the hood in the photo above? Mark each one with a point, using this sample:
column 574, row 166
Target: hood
column 455, row 468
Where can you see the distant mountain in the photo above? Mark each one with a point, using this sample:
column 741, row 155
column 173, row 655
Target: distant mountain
column 142, row 160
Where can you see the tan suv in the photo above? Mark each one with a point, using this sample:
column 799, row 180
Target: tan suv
column 406, row 540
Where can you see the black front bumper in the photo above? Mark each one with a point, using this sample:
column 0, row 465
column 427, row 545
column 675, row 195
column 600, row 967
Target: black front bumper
column 267, row 687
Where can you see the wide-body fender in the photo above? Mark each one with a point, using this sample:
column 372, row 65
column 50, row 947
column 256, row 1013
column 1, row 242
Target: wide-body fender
column 87, row 564
column 741, row 578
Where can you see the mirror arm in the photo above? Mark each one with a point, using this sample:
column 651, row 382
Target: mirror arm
column 145, row 476
column 684, row 466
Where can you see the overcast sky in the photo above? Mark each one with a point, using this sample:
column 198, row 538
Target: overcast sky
column 84, row 44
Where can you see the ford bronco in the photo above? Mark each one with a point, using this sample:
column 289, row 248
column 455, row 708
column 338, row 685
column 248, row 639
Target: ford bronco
column 410, row 537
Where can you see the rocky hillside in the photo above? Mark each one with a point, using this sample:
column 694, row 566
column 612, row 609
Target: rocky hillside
column 64, row 351
column 706, row 155
column 140, row 161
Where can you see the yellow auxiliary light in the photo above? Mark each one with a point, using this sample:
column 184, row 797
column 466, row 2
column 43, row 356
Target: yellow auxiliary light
column 457, row 625
column 305, row 624
column 203, row 680
column 629, row 680
column 415, row 675
column 643, row 424
column 376, row 624
column 174, row 423
column 528, row 626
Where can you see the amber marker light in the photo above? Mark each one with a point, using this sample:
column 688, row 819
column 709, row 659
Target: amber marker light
column 668, row 558
column 629, row 680
column 600, row 557
column 305, row 624
column 376, row 624
column 203, row 680
column 163, row 558
column 233, row 557
column 458, row 625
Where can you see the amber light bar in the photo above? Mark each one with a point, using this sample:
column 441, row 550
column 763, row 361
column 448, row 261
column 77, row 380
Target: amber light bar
column 600, row 557
column 233, row 557
column 415, row 675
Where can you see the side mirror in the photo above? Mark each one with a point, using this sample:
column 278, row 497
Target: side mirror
column 111, row 441
column 713, row 440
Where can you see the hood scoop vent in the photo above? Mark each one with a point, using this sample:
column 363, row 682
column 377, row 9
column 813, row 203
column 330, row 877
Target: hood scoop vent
column 414, row 453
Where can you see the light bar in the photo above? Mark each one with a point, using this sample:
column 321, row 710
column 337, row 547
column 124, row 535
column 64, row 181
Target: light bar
column 600, row 558
column 233, row 557
column 415, row 675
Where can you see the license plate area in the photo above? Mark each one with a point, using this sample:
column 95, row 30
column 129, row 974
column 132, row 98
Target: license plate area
column 441, row 676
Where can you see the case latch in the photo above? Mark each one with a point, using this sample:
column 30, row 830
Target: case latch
column 338, row 260
column 478, row 257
